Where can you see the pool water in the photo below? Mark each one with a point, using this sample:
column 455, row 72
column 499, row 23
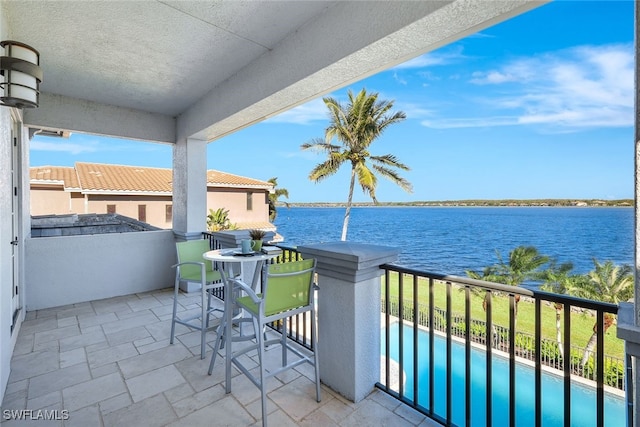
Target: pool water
column 583, row 397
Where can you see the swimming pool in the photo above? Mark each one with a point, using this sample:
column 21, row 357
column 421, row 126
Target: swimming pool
column 583, row 397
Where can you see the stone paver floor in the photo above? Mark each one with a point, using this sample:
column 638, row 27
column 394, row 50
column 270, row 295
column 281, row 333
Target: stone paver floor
column 109, row 363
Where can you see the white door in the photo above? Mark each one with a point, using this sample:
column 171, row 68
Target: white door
column 15, row 224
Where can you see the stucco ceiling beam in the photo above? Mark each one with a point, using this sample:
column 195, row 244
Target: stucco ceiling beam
column 77, row 115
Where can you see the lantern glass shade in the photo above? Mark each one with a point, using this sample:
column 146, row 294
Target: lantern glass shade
column 21, row 75
column 25, row 53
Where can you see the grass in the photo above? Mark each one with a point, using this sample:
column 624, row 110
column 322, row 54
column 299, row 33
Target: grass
column 581, row 323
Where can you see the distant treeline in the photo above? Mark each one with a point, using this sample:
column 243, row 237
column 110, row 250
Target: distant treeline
column 504, row 202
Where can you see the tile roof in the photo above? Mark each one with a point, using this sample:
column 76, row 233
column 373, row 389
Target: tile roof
column 106, row 178
column 55, row 174
column 117, row 178
column 223, row 179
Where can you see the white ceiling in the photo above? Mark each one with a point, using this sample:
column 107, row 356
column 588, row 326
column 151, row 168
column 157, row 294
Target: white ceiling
column 206, row 68
column 150, row 55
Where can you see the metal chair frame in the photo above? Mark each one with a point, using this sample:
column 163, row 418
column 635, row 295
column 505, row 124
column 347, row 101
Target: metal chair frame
column 209, row 281
column 255, row 306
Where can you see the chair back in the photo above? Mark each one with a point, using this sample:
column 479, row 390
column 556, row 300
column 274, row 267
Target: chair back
column 191, row 251
column 288, row 285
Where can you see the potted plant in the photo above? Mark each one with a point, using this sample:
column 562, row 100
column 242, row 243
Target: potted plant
column 257, row 235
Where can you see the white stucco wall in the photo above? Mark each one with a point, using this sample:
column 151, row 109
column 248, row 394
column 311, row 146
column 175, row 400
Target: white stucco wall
column 72, row 269
column 6, row 343
column 7, row 338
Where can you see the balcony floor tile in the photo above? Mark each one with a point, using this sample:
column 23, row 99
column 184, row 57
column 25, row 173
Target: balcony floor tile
column 109, row 363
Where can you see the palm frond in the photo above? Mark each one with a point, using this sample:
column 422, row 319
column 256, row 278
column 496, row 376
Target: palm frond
column 281, row 192
column 367, row 180
column 394, row 177
column 390, row 160
column 319, row 145
column 327, row 168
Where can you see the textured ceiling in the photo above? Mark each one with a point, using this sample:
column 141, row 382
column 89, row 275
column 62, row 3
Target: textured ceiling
column 150, row 55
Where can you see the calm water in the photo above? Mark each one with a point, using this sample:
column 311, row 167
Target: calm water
column 583, row 413
column 452, row 240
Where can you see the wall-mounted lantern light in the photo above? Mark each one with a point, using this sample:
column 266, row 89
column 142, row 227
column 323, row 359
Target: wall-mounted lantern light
column 20, row 74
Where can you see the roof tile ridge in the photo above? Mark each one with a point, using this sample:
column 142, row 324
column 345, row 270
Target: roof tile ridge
column 239, row 176
column 75, row 169
column 50, row 166
column 125, row 166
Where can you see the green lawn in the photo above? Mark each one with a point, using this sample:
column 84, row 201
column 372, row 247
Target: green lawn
column 581, row 323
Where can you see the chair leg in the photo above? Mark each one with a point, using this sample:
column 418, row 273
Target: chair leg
column 218, row 345
column 314, row 342
column 263, row 388
column 204, row 318
column 209, row 291
column 175, row 309
column 283, row 341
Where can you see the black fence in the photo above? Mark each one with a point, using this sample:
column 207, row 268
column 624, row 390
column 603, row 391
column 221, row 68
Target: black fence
column 404, row 288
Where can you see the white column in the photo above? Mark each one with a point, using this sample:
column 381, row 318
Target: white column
column 189, row 188
column 628, row 314
column 628, row 331
column 636, row 319
column 349, row 314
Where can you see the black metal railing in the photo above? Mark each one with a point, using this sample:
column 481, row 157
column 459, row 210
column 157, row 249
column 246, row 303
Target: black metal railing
column 417, row 302
column 404, row 294
column 525, row 342
column 213, row 242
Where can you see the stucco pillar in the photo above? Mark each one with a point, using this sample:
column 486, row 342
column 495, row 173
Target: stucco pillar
column 349, row 314
column 189, row 188
column 629, row 315
column 628, row 331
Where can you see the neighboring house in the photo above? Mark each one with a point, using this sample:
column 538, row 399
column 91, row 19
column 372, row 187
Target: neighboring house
column 142, row 193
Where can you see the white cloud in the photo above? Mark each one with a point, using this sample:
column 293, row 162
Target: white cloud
column 433, row 58
column 413, row 111
column 399, row 79
column 67, row 147
column 587, row 86
column 303, row 114
column 79, row 143
column 492, row 77
column 472, row 122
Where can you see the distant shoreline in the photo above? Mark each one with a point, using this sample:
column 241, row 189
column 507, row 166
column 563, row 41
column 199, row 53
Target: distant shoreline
column 479, row 203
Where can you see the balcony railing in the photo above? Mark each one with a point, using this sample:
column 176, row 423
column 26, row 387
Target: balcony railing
column 424, row 302
column 525, row 342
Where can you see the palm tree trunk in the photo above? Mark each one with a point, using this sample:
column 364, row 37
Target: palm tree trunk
column 608, row 321
column 559, row 329
column 589, row 349
column 347, row 212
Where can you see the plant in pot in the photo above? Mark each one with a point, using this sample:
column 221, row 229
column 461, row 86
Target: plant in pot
column 257, row 236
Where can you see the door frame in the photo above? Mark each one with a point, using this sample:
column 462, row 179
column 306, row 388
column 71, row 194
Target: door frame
column 17, row 239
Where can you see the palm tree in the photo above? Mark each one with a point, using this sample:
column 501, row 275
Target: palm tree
column 355, row 126
column 558, row 279
column 524, row 264
column 608, row 283
column 218, row 220
column 488, row 275
column 273, row 198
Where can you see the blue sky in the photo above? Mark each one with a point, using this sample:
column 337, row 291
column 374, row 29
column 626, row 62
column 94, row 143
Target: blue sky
column 540, row 106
